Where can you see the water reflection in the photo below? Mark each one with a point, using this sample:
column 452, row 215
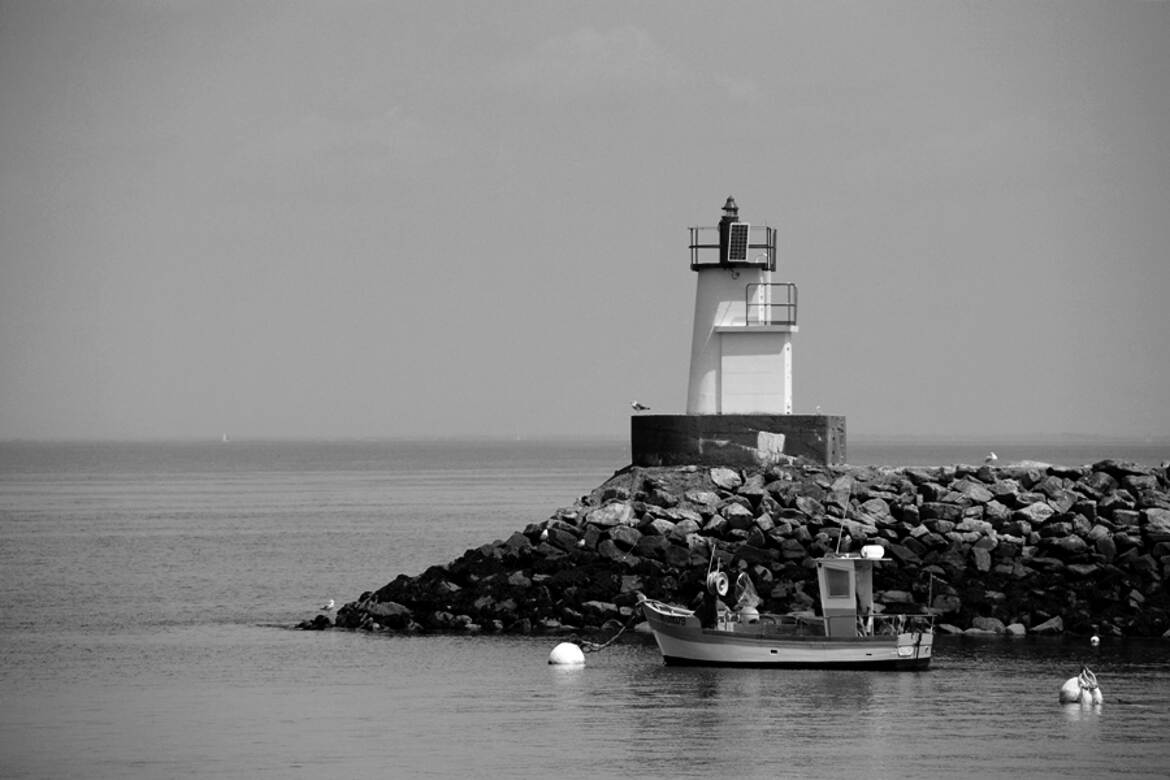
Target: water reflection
column 493, row 706
column 986, row 708
column 1076, row 713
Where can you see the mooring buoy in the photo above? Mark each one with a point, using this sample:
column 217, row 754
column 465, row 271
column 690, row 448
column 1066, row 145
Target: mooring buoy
column 566, row 654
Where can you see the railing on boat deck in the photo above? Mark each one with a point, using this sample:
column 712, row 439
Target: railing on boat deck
column 782, row 625
column 891, row 625
column 810, row 625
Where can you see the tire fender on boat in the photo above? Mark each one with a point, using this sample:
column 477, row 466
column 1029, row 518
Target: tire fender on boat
column 717, row 583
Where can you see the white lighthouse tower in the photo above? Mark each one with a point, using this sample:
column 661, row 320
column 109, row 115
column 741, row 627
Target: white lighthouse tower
column 739, row 393
column 741, row 347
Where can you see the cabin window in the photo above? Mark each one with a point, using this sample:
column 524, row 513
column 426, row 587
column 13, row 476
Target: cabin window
column 837, row 583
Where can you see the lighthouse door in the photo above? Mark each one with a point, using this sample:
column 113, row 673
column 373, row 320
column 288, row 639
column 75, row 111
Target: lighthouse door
column 751, row 374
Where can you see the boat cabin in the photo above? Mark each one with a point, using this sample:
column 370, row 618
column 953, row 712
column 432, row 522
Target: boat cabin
column 845, row 582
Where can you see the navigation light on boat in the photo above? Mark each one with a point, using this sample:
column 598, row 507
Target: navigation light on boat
column 874, row 551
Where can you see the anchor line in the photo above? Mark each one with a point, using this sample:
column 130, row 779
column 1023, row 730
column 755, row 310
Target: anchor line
column 593, row 647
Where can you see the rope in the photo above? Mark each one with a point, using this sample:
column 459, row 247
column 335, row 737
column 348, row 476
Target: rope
column 593, row 647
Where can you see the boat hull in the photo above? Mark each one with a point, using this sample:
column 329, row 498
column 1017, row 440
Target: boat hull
column 683, row 641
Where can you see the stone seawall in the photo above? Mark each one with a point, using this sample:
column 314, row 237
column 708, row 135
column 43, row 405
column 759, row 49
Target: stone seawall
column 1026, row 548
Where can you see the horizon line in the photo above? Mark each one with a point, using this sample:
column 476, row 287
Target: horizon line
column 981, row 438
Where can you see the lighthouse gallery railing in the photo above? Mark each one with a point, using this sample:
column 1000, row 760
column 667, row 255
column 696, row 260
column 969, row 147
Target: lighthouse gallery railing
column 761, row 247
column 770, row 303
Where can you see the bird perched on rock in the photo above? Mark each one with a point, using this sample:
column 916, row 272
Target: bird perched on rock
column 327, row 606
column 637, row 407
column 991, row 458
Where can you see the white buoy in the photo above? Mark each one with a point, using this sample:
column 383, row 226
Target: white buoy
column 1070, row 692
column 1082, row 689
column 566, row 654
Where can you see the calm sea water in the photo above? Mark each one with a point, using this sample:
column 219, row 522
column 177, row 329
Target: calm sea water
column 148, row 589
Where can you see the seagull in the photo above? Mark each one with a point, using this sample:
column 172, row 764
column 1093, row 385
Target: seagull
column 991, row 458
column 637, row 407
column 328, row 606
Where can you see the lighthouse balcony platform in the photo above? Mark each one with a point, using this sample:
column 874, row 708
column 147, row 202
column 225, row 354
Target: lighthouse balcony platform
column 766, row 306
column 756, row 247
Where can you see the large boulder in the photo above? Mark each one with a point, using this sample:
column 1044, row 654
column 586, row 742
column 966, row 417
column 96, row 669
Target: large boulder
column 974, row 491
column 738, row 517
column 876, row 511
column 611, row 514
column 1035, row 513
column 1051, row 626
column 389, row 613
column 994, row 625
column 1157, row 524
column 728, row 479
column 705, row 500
column 940, row 510
column 319, row 623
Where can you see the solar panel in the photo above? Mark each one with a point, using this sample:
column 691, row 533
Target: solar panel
column 737, row 242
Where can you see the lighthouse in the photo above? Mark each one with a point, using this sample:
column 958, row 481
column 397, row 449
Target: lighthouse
column 740, row 385
column 741, row 346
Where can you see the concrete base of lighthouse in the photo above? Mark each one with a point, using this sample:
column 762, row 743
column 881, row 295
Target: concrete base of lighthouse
column 736, row 439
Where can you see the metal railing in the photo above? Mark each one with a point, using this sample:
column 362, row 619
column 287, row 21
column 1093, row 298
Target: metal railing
column 875, row 625
column 887, row 625
column 770, row 303
column 761, row 247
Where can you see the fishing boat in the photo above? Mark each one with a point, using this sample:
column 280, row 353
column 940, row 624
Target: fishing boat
column 851, row 631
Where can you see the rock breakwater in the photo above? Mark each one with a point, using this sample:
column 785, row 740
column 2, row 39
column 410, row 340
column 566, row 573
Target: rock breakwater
column 1019, row 548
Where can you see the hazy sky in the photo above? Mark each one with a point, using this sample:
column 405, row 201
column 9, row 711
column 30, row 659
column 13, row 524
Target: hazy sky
column 400, row 218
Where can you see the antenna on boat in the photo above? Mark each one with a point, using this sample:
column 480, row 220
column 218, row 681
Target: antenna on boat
column 844, row 517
